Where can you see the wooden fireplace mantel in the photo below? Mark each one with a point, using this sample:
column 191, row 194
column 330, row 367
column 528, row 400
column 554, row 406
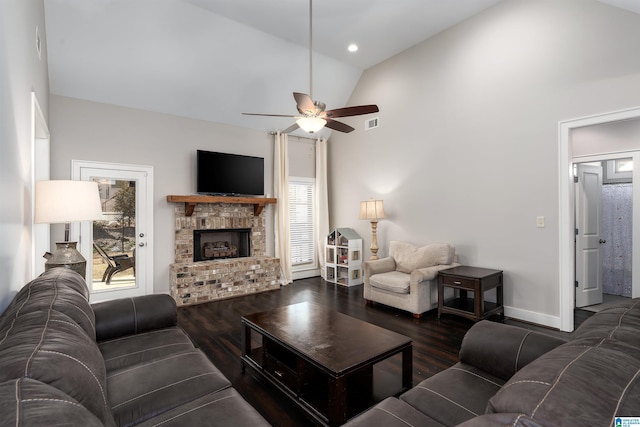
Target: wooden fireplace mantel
column 190, row 202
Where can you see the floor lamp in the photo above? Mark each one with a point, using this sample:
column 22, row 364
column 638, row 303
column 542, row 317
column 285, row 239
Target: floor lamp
column 63, row 202
column 373, row 210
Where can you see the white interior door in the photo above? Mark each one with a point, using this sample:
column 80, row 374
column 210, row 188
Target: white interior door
column 588, row 235
column 119, row 248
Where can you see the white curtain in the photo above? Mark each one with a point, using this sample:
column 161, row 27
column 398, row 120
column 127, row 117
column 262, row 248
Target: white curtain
column 322, row 202
column 281, row 190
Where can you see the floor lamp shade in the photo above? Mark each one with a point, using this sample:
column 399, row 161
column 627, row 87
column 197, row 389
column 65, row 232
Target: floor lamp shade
column 62, row 202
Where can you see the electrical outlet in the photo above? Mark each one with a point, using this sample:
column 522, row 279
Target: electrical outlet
column 540, row 221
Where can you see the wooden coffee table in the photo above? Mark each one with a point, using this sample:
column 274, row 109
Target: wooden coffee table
column 324, row 360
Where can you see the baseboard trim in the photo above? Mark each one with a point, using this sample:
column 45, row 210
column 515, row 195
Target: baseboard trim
column 532, row 317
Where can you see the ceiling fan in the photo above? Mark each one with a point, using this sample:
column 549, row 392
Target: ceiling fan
column 313, row 115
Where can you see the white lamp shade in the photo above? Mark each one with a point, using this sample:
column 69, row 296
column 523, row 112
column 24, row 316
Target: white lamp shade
column 311, row 124
column 63, row 201
column 372, row 210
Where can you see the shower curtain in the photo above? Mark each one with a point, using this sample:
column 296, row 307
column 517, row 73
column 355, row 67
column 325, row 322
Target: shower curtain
column 616, row 230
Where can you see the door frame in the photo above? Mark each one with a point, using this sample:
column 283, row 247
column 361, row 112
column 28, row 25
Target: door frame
column 566, row 262
column 76, row 167
column 40, row 171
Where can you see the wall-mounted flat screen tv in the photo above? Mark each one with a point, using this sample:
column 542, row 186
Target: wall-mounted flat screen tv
column 229, row 174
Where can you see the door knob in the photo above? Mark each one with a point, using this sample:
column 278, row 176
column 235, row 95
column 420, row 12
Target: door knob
column 602, row 241
column 141, row 244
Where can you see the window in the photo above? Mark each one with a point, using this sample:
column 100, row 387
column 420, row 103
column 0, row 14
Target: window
column 303, row 253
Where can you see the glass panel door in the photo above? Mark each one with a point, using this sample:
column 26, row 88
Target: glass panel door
column 118, row 248
column 114, row 238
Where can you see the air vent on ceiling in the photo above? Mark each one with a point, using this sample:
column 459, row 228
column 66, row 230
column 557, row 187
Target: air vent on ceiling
column 371, row 123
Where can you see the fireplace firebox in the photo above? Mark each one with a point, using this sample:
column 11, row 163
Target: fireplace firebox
column 220, row 244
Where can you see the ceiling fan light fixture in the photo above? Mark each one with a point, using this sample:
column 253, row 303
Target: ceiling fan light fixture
column 311, row 124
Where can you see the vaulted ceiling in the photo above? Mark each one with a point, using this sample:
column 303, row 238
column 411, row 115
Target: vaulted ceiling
column 214, row 59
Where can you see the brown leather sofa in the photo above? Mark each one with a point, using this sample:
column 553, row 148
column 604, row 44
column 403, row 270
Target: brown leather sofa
column 125, row 362
column 509, row 376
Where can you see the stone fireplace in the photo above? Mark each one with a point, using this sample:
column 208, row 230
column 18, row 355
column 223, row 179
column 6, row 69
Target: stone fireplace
column 220, row 250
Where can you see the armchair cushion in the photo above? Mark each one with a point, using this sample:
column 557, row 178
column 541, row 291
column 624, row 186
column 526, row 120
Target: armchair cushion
column 393, row 281
column 409, row 257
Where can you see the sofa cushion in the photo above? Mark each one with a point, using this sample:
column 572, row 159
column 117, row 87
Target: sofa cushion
column 393, row 281
column 584, row 382
column 50, row 347
column 128, row 316
column 409, row 257
column 454, row 395
column 142, row 391
column 503, row 357
column 621, row 322
column 57, row 289
column 392, row 412
column 132, row 350
column 27, row 402
column 501, row 420
column 223, row 408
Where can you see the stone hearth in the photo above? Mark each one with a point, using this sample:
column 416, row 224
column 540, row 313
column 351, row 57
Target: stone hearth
column 197, row 282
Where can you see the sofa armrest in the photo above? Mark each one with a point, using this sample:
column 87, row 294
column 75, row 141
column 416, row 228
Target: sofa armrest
column 502, row 350
column 128, row 316
column 377, row 266
column 429, row 273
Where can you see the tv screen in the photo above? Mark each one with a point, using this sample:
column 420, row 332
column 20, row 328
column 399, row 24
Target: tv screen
column 229, row 174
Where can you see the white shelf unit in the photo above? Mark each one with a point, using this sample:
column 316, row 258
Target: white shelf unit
column 343, row 251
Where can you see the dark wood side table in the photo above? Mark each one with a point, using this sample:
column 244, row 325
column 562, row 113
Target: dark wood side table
column 474, row 279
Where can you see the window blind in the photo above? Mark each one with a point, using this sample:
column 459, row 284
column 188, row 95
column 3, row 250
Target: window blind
column 301, row 220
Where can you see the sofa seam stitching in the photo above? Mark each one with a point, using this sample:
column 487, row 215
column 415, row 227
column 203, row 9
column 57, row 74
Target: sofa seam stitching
column 552, row 386
column 524, row 338
column 147, row 350
column 448, row 399
column 635, row 376
column 164, row 387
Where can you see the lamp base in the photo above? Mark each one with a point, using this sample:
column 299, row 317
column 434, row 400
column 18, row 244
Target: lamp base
column 66, row 255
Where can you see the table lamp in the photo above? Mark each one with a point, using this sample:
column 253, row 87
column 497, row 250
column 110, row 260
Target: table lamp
column 373, row 210
column 61, row 201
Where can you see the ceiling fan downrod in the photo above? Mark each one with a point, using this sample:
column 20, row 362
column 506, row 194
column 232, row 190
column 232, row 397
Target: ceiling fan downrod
column 311, row 49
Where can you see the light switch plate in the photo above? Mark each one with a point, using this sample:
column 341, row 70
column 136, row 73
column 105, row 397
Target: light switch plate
column 540, row 221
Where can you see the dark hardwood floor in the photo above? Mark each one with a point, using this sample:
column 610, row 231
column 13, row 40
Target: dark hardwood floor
column 215, row 328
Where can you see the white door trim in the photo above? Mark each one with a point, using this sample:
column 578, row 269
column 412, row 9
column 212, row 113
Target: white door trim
column 40, row 171
column 78, row 165
column 566, row 279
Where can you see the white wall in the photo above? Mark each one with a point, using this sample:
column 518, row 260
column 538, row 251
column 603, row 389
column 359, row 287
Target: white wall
column 606, row 138
column 21, row 72
column 467, row 148
column 84, row 130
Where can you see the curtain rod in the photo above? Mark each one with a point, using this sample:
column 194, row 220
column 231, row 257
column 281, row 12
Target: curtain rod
column 272, row 133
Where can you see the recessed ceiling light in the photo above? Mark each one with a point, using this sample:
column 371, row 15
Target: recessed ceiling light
column 352, row 47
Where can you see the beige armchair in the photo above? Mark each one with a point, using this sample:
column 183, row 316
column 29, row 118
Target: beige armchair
column 406, row 279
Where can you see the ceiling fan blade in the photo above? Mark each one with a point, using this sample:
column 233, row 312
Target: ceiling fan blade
column 305, row 103
column 268, row 115
column 339, row 126
column 352, row 111
column 291, row 128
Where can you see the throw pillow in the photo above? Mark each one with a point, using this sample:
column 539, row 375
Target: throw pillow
column 409, row 257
